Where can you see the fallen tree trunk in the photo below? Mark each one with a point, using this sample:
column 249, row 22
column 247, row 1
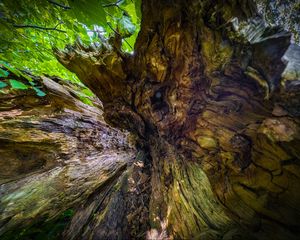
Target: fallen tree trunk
column 216, row 124
column 55, row 153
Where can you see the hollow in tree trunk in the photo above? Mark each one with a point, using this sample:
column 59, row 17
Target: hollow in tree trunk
column 216, row 129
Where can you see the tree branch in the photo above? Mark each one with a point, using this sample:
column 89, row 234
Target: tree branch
column 39, row 27
column 59, row 5
column 117, row 33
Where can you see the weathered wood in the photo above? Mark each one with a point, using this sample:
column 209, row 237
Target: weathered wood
column 119, row 211
column 222, row 136
column 55, row 152
column 218, row 124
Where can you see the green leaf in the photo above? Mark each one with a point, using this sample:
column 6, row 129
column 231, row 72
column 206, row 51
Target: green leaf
column 39, row 92
column 137, row 4
column 15, row 84
column 10, row 68
column 89, row 12
column 126, row 27
column 31, row 49
column 2, row 84
column 3, row 73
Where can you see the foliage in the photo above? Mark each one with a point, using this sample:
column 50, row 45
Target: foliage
column 8, row 84
column 29, row 29
column 15, row 84
column 12, row 79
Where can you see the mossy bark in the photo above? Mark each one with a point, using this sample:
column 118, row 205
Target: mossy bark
column 203, row 93
column 216, row 125
column 55, row 153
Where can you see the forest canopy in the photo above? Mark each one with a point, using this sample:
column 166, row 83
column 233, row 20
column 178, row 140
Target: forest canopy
column 31, row 29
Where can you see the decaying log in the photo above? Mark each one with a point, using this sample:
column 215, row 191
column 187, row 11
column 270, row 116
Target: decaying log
column 216, row 123
column 55, row 153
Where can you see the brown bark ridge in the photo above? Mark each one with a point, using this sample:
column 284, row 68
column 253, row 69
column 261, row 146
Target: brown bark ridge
column 217, row 129
column 203, row 92
column 55, row 154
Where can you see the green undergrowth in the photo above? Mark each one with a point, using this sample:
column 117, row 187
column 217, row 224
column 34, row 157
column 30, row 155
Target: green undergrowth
column 13, row 79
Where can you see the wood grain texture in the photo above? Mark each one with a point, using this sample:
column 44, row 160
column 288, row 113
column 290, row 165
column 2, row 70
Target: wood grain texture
column 218, row 122
column 55, row 152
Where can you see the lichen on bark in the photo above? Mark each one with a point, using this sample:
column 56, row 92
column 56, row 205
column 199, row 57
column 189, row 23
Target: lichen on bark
column 204, row 96
column 204, row 84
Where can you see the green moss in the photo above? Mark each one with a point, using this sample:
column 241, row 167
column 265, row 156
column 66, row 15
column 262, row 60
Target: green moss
column 42, row 230
column 216, row 51
column 207, row 142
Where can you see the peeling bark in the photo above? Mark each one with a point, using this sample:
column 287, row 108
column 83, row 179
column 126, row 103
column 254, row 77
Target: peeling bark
column 223, row 139
column 55, row 153
column 218, row 122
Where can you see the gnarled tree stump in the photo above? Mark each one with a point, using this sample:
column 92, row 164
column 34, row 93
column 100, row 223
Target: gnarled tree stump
column 214, row 120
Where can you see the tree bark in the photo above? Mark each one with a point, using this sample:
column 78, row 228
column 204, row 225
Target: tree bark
column 202, row 91
column 216, row 126
column 55, row 153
